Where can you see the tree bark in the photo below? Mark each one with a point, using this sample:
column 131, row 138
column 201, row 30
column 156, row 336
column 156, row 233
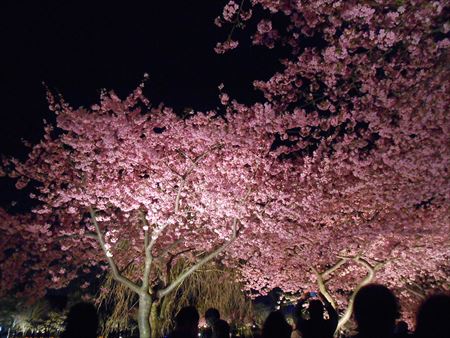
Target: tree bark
column 322, row 279
column 154, row 313
column 145, row 304
column 371, row 270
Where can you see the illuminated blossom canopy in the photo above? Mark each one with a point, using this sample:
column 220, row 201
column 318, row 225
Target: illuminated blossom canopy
column 126, row 183
column 345, row 162
column 367, row 87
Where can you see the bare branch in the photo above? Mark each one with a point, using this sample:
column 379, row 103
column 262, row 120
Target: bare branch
column 146, row 227
column 414, row 288
column 168, row 265
column 173, row 170
column 366, row 280
column 169, row 247
column 180, row 279
column 328, row 272
column 200, row 157
column 91, row 235
column 114, row 271
column 321, row 276
column 177, row 199
column 148, row 254
column 415, row 292
column 183, row 154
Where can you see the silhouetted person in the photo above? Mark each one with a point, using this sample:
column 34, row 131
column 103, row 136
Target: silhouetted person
column 220, row 329
column 401, row 330
column 433, row 318
column 317, row 326
column 186, row 323
column 82, row 321
column 212, row 315
column 276, row 326
column 375, row 310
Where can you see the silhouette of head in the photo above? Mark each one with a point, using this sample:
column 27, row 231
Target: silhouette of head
column 221, row 329
column 402, row 327
column 433, row 317
column 212, row 315
column 315, row 309
column 276, row 326
column 82, row 321
column 375, row 310
column 186, row 321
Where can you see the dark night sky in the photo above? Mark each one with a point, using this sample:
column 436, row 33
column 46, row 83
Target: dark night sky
column 77, row 49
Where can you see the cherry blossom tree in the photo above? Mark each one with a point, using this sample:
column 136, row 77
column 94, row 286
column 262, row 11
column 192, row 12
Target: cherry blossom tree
column 25, row 242
column 366, row 85
column 123, row 183
column 339, row 178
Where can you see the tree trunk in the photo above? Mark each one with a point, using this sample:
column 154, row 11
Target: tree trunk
column 154, row 313
column 145, row 304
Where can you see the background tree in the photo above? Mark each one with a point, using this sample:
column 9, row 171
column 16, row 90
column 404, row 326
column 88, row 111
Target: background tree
column 367, row 87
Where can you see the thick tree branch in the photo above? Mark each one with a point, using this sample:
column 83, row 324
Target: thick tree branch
column 114, row 271
column 180, row 279
column 321, row 279
column 328, row 272
column 148, row 254
column 177, row 199
column 371, row 270
column 86, row 234
column 168, row 248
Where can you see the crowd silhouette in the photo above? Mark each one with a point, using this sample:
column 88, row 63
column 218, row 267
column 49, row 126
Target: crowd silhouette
column 375, row 311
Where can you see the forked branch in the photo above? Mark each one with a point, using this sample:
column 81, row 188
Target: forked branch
column 161, row 293
column 114, row 271
column 322, row 279
column 371, row 270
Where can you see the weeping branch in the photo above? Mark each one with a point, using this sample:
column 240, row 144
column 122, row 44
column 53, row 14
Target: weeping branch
column 211, row 285
column 121, row 300
column 161, row 293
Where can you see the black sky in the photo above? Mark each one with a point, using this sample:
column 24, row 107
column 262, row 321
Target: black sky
column 78, row 48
